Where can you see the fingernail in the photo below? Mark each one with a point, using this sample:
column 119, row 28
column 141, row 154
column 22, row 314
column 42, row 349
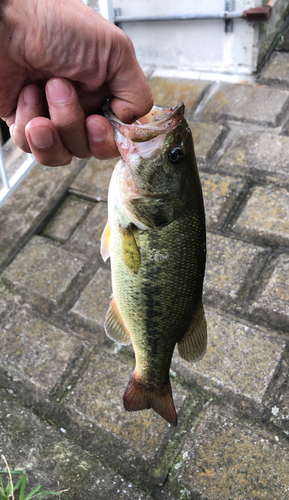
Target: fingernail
column 96, row 132
column 31, row 96
column 41, row 137
column 58, row 91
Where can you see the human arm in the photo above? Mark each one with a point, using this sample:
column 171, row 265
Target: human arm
column 59, row 61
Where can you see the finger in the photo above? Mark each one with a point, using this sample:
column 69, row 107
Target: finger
column 92, row 102
column 29, row 106
column 132, row 96
column 100, row 137
column 68, row 116
column 46, row 144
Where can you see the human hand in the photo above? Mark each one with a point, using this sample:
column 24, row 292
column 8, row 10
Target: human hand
column 59, row 61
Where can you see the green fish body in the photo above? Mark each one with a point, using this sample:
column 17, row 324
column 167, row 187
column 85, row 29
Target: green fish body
column 155, row 238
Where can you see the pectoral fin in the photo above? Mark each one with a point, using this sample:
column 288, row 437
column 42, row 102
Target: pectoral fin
column 105, row 242
column 194, row 343
column 130, row 249
column 114, row 325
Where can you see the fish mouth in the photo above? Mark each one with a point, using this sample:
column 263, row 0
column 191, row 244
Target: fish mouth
column 146, row 136
column 157, row 121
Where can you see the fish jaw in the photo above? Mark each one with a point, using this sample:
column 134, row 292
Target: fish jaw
column 122, row 189
column 146, row 136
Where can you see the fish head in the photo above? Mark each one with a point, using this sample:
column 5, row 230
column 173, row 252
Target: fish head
column 158, row 162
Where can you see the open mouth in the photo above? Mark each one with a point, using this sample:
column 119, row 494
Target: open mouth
column 157, row 121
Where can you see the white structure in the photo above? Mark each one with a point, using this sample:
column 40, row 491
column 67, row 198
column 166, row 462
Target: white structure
column 203, row 46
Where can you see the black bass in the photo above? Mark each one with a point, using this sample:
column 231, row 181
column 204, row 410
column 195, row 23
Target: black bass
column 156, row 239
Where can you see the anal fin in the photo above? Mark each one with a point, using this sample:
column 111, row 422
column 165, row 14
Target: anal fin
column 114, row 326
column 194, row 343
column 160, row 399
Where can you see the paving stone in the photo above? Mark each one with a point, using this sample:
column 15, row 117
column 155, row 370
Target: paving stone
column 229, row 366
column 93, row 303
column 44, row 273
column 207, row 138
column 257, row 153
column 254, row 104
column 231, row 265
column 8, row 301
column 169, row 92
column 279, row 406
column 67, row 218
column 30, row 203
column 98, row 401
column 93, row 180
column 220, row 194
column 273, row 302
column 49, row 457
column 35, row 356
column 277, row 69
column 266, row 216
column 285, row 128
column 85, row 241
column 225, row 458
column 284, row 41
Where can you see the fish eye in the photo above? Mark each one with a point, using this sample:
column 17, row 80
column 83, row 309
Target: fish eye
column 175, row 155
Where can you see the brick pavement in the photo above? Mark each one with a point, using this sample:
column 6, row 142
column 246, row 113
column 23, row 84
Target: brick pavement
column 62, row 379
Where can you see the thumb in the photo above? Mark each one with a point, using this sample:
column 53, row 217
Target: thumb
column 133, row 104
column 132, row 96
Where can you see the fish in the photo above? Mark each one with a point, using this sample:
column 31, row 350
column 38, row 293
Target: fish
column 155, row 237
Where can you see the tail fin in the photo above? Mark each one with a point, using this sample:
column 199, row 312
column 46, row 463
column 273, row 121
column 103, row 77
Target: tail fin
column 139, row 397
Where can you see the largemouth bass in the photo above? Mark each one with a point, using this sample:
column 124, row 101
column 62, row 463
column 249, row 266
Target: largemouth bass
column 156, row 239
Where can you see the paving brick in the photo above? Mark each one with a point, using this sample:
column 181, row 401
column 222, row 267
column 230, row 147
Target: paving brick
column 94, row 178
column 284, row 41
column 254, row 104
column 8, row 301
column 225, row 458
column 44, row 273
column 50, row 457
column 229, row 366
column 279, row 406
column 277, row 69
column 207, row 138
column 171, row 91
column 85, row 241
column 258, row 154
column 93, row 303
column 30, row 203
column 273, row 302
column 266, row 216
column 231, row 265
column 98, row 401
column 285, row 128
column 220, row 194
column 35, row 356
column 67, row 218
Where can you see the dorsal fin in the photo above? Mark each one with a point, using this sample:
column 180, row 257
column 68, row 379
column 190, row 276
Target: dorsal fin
column 114, row 325
column 194, row 343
